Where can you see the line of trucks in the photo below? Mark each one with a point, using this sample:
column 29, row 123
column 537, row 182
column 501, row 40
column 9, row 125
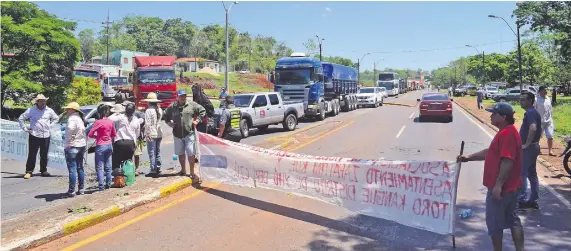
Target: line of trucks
column 304, row 87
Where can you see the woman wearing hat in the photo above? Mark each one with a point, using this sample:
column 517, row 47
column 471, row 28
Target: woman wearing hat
column 153, row 132
column 103, row 131
column 75, row 142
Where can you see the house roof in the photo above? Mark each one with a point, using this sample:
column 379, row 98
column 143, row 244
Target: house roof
column 180, row 60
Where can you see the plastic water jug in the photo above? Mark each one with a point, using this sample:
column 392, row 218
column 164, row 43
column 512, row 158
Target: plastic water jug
column 466, row 213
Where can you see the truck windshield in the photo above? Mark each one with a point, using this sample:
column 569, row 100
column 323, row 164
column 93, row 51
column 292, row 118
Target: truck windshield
column 243, row 100
column 117, row 81
column 367, row 90
column 386, row 77
column 89, row 74
column 293, row 77
column 387, row 85
column 157, row 77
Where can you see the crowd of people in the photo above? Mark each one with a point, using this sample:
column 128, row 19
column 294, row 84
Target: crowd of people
column 510, row 161
column 120, row 133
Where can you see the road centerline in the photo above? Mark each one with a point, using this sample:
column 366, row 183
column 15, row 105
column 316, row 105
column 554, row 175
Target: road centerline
column 400, row 132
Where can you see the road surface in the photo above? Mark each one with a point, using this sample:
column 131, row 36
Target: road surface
column 236, row 218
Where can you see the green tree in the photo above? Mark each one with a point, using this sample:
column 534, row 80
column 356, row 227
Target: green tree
column 88, row 44
column 536, row 67
column 84, row 91
column 46, row 51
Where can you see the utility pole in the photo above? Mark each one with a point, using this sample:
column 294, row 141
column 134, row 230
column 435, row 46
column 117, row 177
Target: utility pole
column 107, row 24
column 320, row 41
column 227, row 65
column 249, row 57
column 484, row 75
column 518, row 25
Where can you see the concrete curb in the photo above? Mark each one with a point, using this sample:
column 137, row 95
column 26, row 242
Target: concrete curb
column 541, row 161
column 93, row 218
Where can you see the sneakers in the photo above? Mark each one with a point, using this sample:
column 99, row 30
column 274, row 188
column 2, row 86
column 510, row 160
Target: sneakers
column 27, row 176
column 46, row 174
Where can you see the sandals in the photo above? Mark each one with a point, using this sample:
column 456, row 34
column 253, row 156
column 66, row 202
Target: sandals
column 195, row 179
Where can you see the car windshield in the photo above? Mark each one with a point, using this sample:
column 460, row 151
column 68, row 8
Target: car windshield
column 157, row 77
column 88, row 74
column 117, row 81
column 492, row 89
column 293, row 76
column 243, row 100
column 435, row 97
column 367, row 90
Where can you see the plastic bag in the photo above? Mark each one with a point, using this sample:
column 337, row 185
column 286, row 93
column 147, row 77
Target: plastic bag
column 129, row 170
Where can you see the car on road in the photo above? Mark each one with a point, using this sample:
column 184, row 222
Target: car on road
column 435, row 105
column 384, row 91
column 370, row 96
column 260, row 110
column 471, row 90
column 509, row 95
column 490, row 91
column 460, row 91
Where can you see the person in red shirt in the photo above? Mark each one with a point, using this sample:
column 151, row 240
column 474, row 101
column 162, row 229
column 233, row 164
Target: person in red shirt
column 502, row 176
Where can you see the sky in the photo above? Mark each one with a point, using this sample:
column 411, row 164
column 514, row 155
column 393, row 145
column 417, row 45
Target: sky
column 413, row 35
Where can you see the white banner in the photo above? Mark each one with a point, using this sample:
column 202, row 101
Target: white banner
column 413, row 193
column 14, row 145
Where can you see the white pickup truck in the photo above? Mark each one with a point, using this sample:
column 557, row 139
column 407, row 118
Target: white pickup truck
column 260, row 110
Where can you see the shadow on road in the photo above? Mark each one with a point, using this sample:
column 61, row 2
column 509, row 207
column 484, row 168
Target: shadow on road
column 432, row 120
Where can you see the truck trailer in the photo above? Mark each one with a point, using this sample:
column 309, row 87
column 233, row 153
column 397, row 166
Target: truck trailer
column 323, row 88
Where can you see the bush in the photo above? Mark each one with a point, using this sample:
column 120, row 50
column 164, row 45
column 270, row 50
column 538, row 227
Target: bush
column 84, row 91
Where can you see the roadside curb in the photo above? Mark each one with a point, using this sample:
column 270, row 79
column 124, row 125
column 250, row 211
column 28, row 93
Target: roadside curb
column 540, row 160
column 93, row 218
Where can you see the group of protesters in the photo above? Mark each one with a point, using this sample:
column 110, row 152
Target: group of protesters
column 120, row 133
column 510, row 162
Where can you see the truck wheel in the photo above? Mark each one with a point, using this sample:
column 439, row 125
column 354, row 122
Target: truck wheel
column 262, row 128
column 345, row 108
column 337, row 108
column 376, row 104
column 244, row 129
column 321, row 116
column 382, row 101
column 290, row 122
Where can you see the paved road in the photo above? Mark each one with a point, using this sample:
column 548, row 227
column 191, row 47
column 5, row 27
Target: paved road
column 237, row 218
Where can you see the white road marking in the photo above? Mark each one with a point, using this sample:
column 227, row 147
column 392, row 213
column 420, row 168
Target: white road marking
column 401, row 129
column 549, row 188
column 411, row 115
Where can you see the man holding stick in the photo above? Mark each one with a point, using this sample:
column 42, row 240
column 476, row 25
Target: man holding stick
column 502, row 177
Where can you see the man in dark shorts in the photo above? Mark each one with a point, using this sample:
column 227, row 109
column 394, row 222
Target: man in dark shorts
column 502, row 176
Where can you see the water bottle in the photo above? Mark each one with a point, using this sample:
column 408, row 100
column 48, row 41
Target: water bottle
column 174, row 157
column 466, row 213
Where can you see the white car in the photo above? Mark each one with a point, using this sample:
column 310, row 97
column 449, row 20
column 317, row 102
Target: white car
column 384, row 91
column 490, row 91
column 370, row 96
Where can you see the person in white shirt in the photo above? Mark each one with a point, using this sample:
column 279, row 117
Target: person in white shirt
column 545, row 109
column 128, row 130
column 75, row 141
column 153, row 132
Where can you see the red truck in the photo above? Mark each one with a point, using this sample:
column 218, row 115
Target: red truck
column 153, row 74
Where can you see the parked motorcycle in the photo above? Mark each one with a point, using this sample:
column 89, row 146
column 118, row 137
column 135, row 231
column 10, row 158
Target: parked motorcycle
column 567, row 154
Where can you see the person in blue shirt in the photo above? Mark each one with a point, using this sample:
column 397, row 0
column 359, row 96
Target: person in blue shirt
column 530, row 133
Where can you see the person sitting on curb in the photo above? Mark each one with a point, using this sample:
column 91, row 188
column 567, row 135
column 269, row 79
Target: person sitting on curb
column 41, row 118
column 502, row 177
column 180, row 116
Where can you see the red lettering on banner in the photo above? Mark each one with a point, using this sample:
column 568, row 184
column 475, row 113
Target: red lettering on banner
column 384, row 198
column 331, row 188
column 416, row 184
column 299, row 166
column 430, row 208
column 241, row 172
column 277, row 167
column 347, row 172
column 446, row 170
column 262, row 176
column 302, row 183
column 281, row 179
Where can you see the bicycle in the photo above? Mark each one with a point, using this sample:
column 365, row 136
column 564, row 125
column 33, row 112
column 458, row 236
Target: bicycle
column 567, row 154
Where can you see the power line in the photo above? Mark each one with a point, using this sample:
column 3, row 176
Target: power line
column 429, row 50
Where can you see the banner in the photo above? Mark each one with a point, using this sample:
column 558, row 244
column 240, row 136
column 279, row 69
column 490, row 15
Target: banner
column 14, row 145
column 418, row 194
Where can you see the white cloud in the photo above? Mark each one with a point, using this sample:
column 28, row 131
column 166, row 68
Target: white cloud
column 327, row 9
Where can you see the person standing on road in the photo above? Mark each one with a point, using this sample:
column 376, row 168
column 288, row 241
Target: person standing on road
column 502, row 177
column 229, row 119
column 123, row 100
column 128, row 130
column 200, row 98
column 153, row 132
column 530, row 133
column 41, row 119
column 75, row 143
column 479, row 98
column 180, row 116
column 544, row 107
column 103, row 131
column 450, row 91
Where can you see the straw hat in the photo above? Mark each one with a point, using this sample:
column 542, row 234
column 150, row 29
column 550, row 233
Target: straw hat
column 118, row 108
column 152, row 98
column 39, row 97
column 74, row 106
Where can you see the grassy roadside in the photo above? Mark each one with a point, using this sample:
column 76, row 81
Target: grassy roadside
column 237, row 83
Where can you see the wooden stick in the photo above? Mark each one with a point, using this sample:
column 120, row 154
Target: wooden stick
column 456, row 195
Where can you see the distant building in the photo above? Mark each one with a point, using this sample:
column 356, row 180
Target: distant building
column 195, row 64
column 96, row 60
column 123, row 59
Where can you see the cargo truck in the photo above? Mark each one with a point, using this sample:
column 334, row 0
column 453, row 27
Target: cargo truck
column 323, row 88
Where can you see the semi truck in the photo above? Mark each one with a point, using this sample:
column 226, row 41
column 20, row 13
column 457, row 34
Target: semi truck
column 392, row 82
column 152, row 74
column 323, row 88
